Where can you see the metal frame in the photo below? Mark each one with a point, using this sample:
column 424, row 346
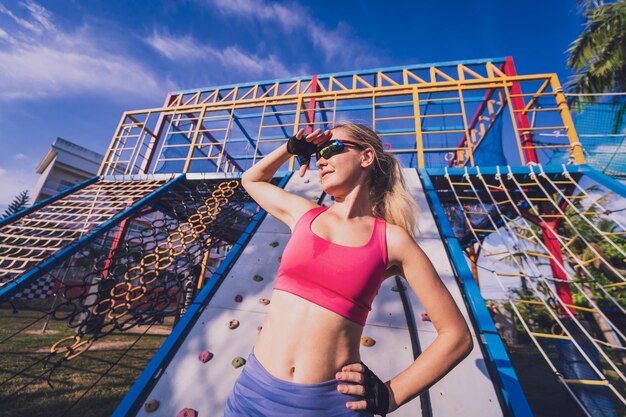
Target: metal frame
column 441, row 112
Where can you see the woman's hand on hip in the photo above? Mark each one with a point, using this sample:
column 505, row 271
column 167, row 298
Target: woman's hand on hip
column 356, row 372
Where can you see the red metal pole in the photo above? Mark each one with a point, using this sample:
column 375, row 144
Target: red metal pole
column 119, row 235
column 549, row 228
column 556, row 264
column 310, row 114
column 517, row 102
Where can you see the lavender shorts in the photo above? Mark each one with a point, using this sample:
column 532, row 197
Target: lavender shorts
column 257, row 393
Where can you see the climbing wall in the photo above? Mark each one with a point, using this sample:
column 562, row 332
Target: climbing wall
column 191, row 382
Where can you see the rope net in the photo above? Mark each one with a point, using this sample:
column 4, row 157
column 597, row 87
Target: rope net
column 558, row 254
column 601, row 127
column 36, row 236
column 116, row 295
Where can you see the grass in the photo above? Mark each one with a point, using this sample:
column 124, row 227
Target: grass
column 27, row 393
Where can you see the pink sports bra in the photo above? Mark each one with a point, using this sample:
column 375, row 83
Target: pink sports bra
column 342, row 279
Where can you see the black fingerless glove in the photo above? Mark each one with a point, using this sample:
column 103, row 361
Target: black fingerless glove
column 376, row 393
column 302, row 149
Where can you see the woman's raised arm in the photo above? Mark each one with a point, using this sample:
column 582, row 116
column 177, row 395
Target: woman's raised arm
column 285, row 206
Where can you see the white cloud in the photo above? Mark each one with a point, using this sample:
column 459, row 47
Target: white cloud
column 174, row 48
column 5, row 36
column 41, row 15
column 252, row 64
column 3, row 171
column 289, row 18
column 31, row 26
column 186, row 48
column 19, row 157
column 335, row 44
column 57, row 63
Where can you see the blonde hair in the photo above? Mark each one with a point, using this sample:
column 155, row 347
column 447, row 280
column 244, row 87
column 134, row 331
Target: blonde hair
column 388, row 191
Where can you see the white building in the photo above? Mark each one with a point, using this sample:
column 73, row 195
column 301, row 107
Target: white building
column 64, row 165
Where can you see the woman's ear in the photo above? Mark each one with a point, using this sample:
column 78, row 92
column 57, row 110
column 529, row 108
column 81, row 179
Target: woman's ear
column 367, row 157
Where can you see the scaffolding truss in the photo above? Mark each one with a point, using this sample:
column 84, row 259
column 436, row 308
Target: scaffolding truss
column 447, row 114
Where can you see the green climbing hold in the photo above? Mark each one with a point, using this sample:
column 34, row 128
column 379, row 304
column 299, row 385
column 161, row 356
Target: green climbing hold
column 257, row 278
column 238, row 362
column 274, row 244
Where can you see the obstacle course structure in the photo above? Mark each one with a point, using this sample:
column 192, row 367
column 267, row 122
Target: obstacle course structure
column 139, row 243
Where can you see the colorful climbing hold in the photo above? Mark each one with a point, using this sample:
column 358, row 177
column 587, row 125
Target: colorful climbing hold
column 425, row 317
column 259, row 328
column 367, row 341
column 306, row 180
column 257, row 278
column 238, row 362
column 274, row 244
column 187, row 412
column 205, row 356
column 280, row 258
column 151, row 406
column 233, row 324
column 264, row 301
column 238, row 298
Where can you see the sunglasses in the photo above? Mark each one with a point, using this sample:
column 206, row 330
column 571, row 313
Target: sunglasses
column 334, row 147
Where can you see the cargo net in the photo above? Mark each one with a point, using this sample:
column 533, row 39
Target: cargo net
column 550, row 248
column 115, row 301
column 601, row 128
column 36, row 236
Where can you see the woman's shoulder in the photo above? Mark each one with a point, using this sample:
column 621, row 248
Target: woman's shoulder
column 398, row 239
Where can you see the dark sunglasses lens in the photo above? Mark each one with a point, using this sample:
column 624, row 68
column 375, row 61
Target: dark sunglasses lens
column 327, row 151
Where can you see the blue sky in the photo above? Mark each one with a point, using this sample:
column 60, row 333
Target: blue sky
column 71, row 68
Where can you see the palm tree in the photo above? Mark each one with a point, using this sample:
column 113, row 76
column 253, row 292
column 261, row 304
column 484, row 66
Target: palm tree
column 598, row 55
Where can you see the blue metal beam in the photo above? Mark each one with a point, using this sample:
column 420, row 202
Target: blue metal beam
column 47, row 201
column 361, row 73
column 492, row 170
column 143, row 385
column 20, row 283
column 603, row 179
column 495, row 353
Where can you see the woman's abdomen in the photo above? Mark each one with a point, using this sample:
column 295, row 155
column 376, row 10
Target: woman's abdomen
column 304, row 343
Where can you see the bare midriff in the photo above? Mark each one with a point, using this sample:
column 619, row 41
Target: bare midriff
column 304, row 343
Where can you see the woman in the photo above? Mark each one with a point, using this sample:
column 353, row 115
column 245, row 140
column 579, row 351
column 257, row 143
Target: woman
column 305, row 361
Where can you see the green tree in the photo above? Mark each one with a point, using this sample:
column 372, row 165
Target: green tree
column 19, row 203
column 598, row 55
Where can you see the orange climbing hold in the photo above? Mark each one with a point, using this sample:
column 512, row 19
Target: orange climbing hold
column 367, row 341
